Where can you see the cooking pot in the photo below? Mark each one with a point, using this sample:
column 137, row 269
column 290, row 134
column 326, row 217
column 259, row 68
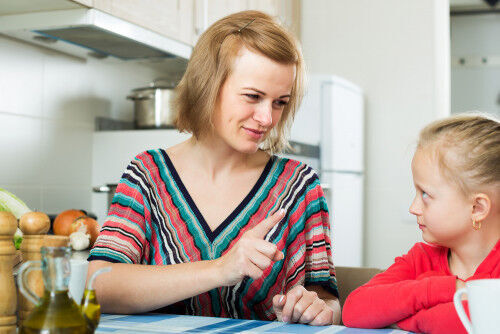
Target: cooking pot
column 152, row 106
column 109, row 188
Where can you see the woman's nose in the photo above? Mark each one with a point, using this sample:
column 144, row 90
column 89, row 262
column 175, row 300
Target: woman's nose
column 263, row 114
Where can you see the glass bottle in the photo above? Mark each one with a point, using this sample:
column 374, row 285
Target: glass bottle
column 56, row 311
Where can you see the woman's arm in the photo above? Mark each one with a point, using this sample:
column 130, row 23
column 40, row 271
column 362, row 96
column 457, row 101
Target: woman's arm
column 312, row 305
column 316, row 303
column 331, row 300
column 134, row 288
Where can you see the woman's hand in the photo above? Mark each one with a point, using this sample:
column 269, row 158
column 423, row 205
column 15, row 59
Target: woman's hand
column 251, row 255
column 302, row 306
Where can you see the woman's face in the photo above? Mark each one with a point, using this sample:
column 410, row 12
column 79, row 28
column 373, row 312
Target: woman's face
column 252, row 100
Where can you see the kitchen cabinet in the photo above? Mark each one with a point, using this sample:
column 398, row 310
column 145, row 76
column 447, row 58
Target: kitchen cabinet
column 172, row 18
column 186, row 20
column 86, row 3
column 9, row 7
column 209, row 11
column 182, row 20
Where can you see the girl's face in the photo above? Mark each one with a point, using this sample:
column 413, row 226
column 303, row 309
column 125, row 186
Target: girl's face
column 443, row 212
column 252, row 100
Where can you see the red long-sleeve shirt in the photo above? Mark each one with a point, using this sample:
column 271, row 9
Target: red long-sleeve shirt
column 416, row 293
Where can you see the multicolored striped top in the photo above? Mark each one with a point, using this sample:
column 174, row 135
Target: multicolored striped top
column 153, row 220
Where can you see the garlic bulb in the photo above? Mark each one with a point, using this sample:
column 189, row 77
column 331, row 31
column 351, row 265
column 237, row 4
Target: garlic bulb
column 79, row 239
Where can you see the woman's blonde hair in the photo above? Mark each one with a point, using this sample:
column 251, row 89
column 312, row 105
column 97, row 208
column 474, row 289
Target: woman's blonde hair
column 467, row 148
column 211, row 64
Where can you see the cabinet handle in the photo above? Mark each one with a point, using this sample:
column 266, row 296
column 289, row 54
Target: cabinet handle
column 101, row 189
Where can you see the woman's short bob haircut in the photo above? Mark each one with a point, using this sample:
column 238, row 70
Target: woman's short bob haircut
column 211, row 64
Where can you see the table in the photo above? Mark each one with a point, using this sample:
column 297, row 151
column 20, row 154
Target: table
column 169, row 323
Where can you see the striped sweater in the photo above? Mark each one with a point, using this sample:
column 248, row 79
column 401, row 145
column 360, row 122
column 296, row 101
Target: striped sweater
column 153, row 220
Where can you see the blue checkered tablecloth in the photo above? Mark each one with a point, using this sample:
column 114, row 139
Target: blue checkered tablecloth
column 168, row 323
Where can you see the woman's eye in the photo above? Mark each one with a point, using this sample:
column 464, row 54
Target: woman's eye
column 252, row 96
column 281, row 103
column 425, row 195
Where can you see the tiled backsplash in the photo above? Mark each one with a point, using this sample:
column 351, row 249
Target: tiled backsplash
column 48, row 103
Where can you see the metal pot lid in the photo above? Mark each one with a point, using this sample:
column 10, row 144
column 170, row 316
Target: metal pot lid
column 151, row 88
column 159, row 83
column 144, row 93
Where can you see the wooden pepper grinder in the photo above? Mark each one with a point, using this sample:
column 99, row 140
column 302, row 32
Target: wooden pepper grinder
column 33, row 240
column 31, row 250
column 8, row 301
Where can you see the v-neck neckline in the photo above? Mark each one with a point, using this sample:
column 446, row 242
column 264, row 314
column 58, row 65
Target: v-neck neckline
column 212, row 235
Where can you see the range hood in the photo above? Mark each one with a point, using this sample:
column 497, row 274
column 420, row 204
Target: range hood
column 91, row 33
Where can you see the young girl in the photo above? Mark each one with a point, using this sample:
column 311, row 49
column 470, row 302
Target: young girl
column 456, row 172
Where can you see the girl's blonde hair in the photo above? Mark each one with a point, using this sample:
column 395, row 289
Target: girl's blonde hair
column 467, row 148
column 211, row 64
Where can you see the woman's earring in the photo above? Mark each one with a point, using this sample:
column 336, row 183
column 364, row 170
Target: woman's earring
column 476, row 225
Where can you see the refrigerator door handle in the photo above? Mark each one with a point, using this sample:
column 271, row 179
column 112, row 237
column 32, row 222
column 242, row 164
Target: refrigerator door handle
column 326, row 186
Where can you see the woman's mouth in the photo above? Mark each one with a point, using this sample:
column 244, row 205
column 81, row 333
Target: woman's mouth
column 253, row 133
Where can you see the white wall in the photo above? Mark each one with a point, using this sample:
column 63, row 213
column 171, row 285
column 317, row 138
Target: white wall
column 475, row 86
column 398, row 52
column 48, row 102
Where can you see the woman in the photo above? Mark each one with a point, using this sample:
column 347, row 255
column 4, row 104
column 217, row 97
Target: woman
column 218, row 225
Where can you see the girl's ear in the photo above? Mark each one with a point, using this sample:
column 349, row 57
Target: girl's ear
column 481, row 206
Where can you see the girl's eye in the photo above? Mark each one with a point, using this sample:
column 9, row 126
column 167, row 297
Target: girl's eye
column 425, row 195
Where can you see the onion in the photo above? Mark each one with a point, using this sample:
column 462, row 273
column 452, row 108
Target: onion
column 63, row 221
column 34, row 223
column 92, row 227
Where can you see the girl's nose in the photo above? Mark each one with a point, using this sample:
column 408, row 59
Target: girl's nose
column 263, row 114
column 416, row 207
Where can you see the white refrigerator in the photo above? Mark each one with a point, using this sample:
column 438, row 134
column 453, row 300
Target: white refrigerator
column 337, row 106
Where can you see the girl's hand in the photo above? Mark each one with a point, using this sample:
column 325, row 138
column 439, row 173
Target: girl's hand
column 251, row 255
column 302, row 306
column 459, row 284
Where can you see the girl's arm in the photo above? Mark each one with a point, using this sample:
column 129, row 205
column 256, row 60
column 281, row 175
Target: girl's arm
column 441, row 318
column 396, row 294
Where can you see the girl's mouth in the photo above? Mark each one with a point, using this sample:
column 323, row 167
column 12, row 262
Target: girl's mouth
column 420, row 225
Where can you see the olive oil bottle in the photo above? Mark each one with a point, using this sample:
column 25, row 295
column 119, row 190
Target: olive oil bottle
column 56, row 312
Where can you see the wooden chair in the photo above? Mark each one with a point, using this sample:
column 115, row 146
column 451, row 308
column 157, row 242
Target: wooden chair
column 349, row 278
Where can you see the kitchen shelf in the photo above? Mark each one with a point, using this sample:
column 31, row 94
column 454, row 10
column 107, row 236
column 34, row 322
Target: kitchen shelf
column 110, row 124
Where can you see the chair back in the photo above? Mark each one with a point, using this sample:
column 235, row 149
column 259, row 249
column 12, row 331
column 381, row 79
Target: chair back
column 350, row 278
